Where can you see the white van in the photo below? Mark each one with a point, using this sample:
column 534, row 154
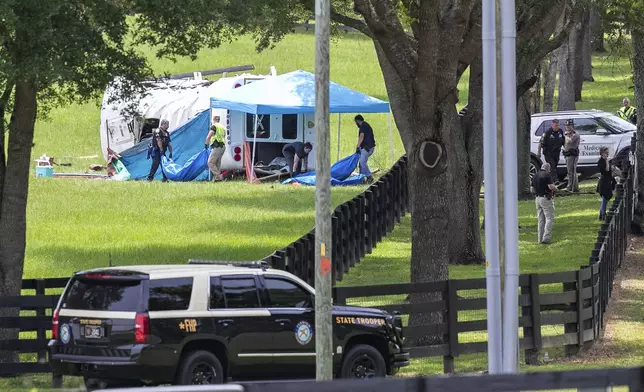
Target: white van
column 596, row 129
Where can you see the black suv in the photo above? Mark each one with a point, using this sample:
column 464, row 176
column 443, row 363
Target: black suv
column 208, row 323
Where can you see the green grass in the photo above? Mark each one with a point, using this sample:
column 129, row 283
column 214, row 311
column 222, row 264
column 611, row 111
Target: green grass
column 76, row 224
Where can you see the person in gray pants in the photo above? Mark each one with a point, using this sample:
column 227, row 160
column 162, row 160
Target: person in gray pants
column 571, row 153
column 544, row 189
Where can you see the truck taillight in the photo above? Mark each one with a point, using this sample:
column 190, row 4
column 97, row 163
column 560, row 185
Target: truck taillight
column 237, row 150
column 54, row 324
column 141, row 328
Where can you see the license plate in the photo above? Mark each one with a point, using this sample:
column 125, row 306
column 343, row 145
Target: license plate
column 93, row 332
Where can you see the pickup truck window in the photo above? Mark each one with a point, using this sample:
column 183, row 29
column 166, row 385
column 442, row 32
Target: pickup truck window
column 283, row 293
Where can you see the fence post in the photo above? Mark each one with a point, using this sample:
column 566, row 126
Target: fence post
column 338, row 269
column 534, row 312
column 361, row 232
column 571, row 349
column 41, row 312
column 452, row 332
column 370, row 218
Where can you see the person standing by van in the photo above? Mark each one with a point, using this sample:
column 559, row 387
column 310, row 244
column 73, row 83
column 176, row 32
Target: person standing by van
column 571, row 153
column 295, row 153
column 215, row 141
column 606, row 182
column 159, row 145
column 551, row 143
column 366, row 145
column 544, row 189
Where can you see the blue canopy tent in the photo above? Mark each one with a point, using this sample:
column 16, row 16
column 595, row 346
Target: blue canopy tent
column 294, row 93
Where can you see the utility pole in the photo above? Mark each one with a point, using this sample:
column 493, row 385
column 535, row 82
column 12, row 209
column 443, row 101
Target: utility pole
column 323, row 262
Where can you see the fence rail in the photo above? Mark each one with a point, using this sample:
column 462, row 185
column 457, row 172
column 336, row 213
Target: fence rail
column 357, row 226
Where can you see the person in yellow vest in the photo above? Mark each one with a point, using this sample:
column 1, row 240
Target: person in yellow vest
column 627, row 112
column 215, row 141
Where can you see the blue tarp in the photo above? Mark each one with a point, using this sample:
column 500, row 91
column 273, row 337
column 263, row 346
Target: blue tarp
column 190, row 160
column 341, row 173
column 294, row 93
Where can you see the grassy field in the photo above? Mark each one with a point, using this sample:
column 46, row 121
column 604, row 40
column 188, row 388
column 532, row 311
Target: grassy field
column 77, row 224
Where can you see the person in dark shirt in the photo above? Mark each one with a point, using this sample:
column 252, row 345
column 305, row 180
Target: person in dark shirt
column 161, row 143
column 366, row 146
column 543, row 188
column 295, row 153
column 551, row 142
column 606, row 182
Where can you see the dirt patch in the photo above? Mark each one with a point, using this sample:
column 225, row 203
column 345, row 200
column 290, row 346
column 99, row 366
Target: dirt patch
column 625, row 312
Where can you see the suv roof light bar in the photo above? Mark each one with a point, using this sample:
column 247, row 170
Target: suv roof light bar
column 248, row 264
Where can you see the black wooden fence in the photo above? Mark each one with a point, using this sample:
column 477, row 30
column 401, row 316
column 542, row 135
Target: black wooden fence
column 34, row 325
column 357, row 226
column 570, row 304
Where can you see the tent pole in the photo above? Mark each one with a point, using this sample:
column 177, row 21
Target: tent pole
column 339, row 122
column 391, row 139
column 252, row 161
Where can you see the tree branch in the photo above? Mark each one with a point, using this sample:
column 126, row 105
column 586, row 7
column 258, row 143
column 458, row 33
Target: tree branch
column 472, row 42
column 387, row 30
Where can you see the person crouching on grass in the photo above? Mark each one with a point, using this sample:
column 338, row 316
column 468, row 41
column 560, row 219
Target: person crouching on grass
column 606, row 182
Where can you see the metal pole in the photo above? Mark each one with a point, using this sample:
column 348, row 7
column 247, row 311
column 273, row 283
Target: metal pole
column 510, row 201
column 252, row 160
column 391, row 139
column 339, row 123
column 493, row 272
column 323, row 262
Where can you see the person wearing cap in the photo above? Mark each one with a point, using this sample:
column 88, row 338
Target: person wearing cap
column 158, row 147
column 627, row 112
column 544, row 189
column 215, row 141
column 551, row 142
column 571, row 153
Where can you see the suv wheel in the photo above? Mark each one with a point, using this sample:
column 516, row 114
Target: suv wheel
column 363, row 361
column 200, row 368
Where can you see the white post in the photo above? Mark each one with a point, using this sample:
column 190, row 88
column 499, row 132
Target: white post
column 391, row 139
column 493, row 271
column 252, row 160
column 510, row 200
column 339, row 125
column 323, row 262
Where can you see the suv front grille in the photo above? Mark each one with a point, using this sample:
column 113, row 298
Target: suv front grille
column 97, row 352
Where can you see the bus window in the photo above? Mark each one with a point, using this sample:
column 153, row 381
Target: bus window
column 263, row 126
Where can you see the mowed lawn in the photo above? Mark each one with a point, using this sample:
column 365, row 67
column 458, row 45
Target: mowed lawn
column 74, row 224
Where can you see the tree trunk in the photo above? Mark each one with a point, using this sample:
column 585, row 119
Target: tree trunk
column 14, row 202
column 566, row 78
column 576, row 54
column 4, row 100
column 638, row 78
column 550, row 81
column 587, row 49
column 467, row 175
column 597, row 29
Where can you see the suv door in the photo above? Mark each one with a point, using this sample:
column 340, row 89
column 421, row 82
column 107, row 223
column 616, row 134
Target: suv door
column 291, row 309
column 592, row 138
column 240, row 320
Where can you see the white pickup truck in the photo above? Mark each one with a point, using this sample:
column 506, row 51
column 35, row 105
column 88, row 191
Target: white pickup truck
column 596, row 129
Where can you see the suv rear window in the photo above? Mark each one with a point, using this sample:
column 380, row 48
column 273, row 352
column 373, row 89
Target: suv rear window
column 103, row 295
column 170, row 294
